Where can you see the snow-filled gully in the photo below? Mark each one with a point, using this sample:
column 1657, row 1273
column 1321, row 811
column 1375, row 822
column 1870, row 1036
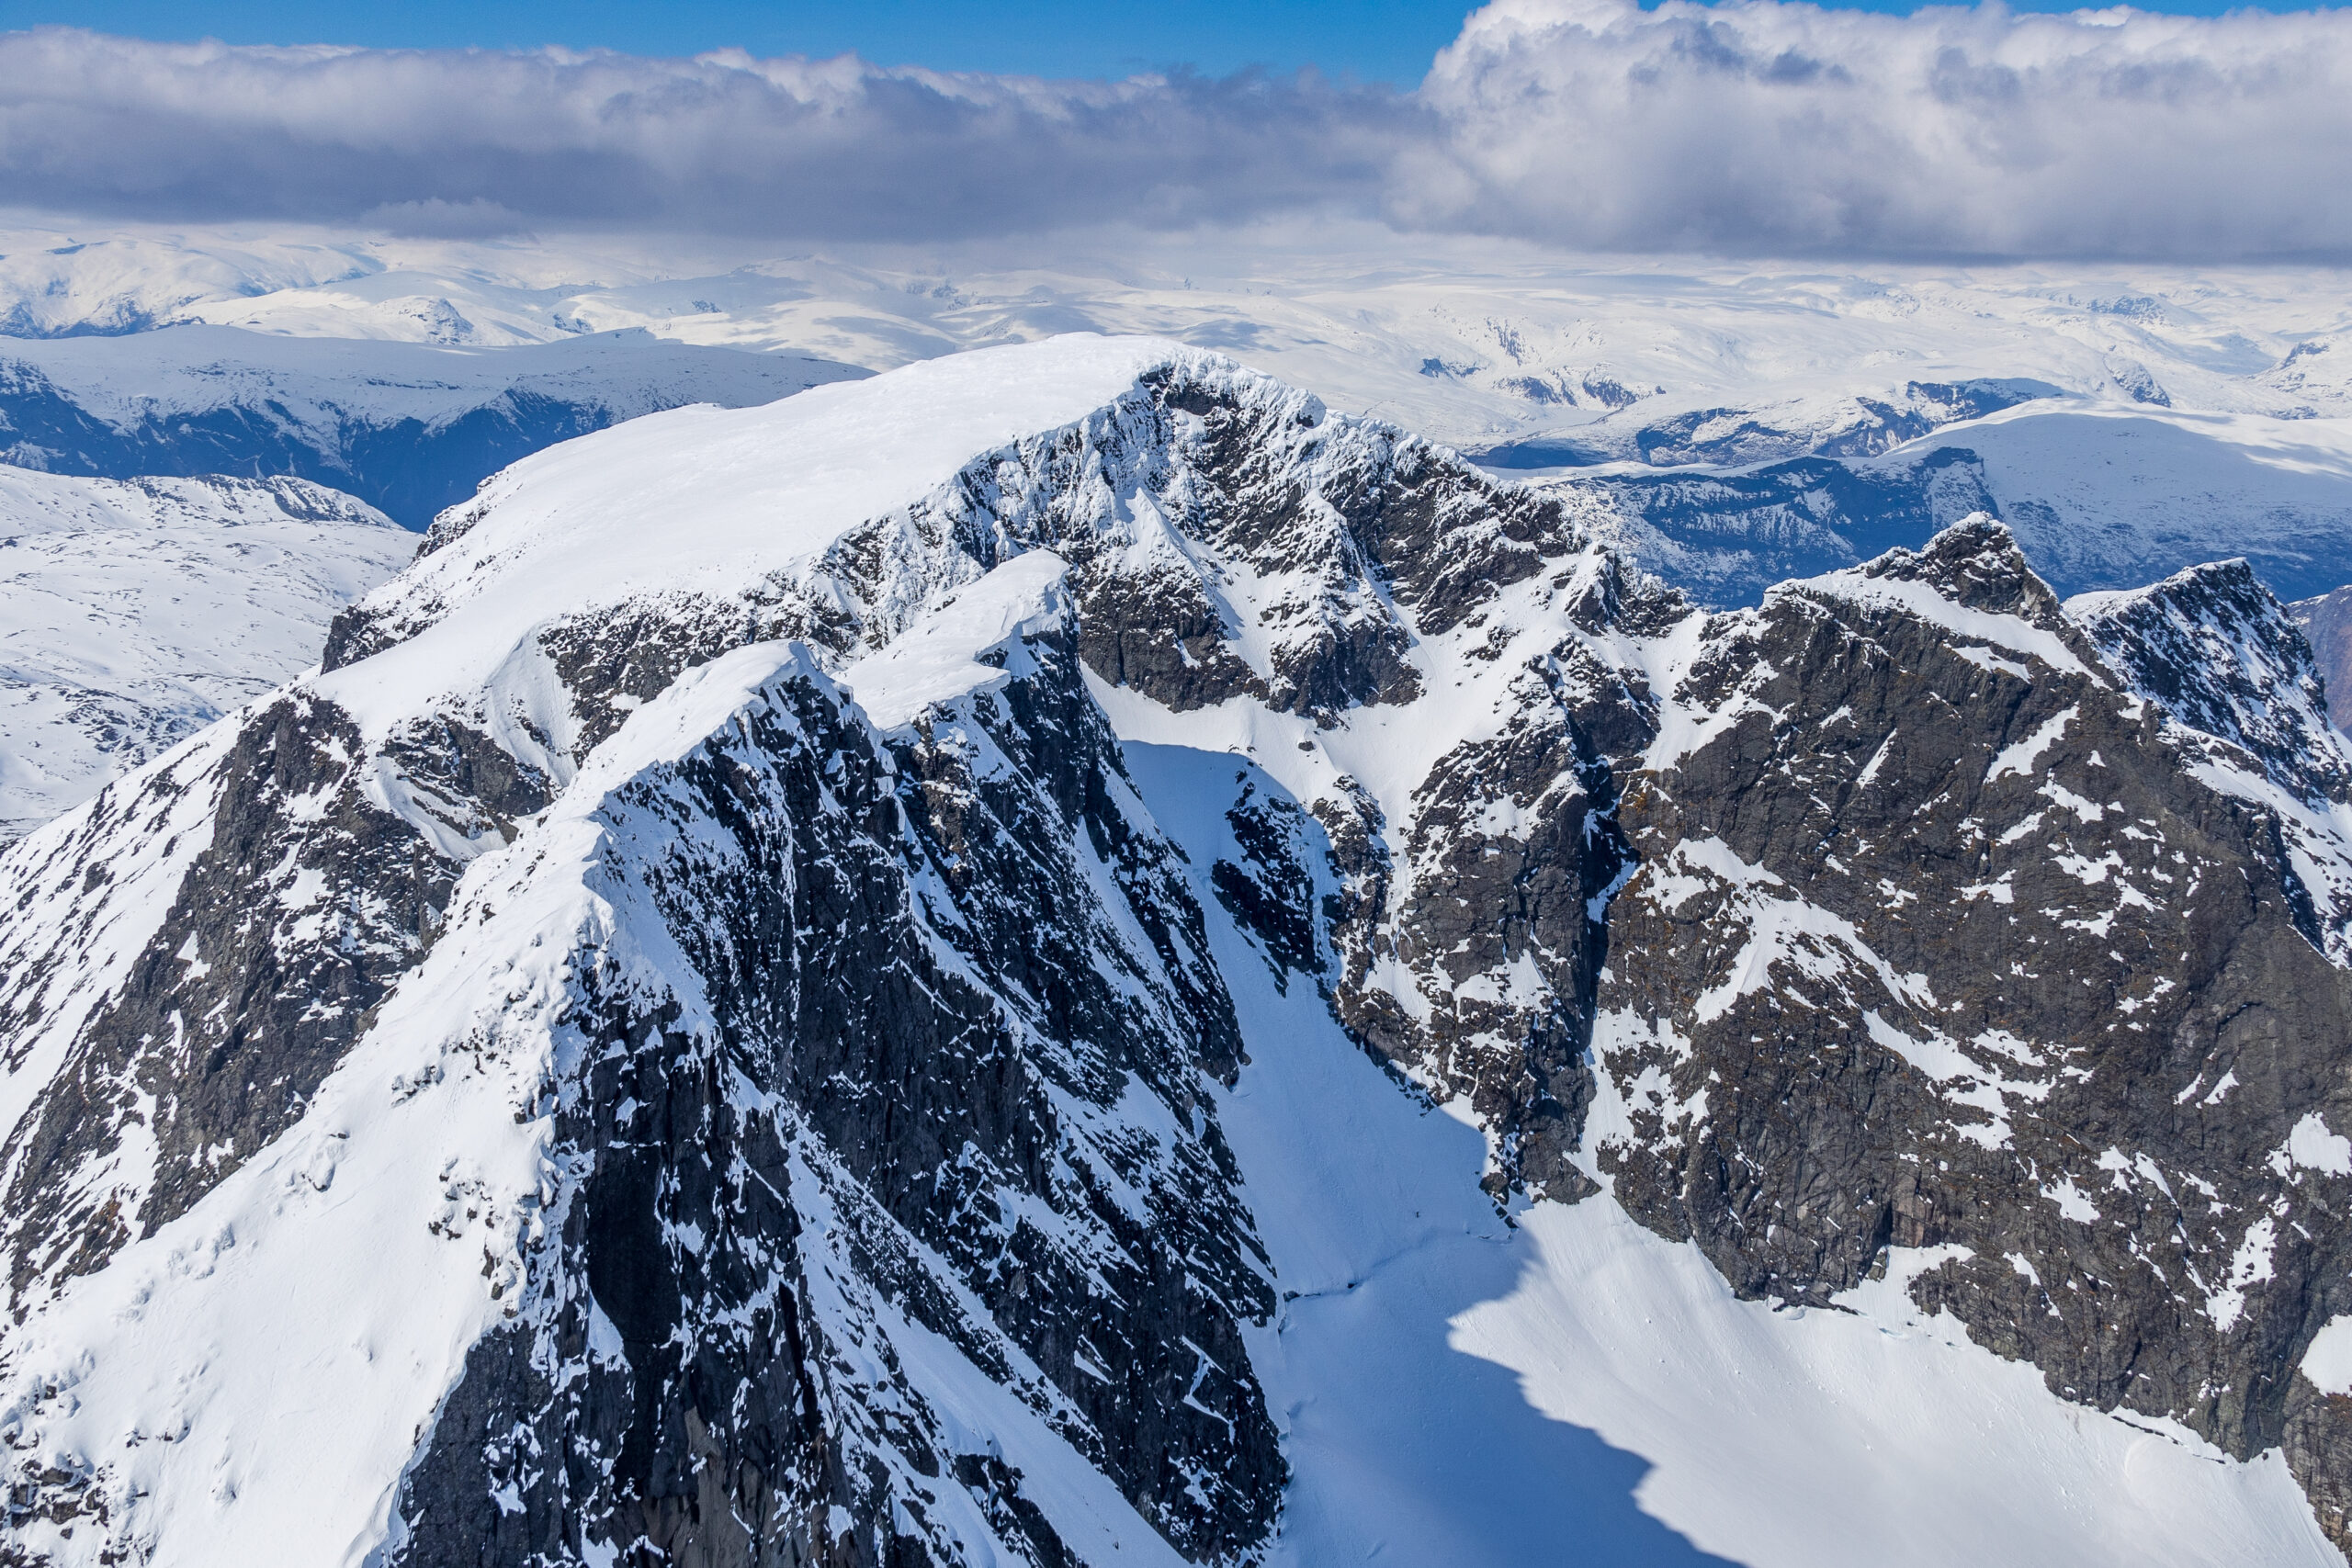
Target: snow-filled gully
column 1451, row 1383
column 1563, row 1386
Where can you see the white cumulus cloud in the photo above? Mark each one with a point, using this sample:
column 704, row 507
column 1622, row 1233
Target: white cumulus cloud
column 1750, row 127
column 1757, row 126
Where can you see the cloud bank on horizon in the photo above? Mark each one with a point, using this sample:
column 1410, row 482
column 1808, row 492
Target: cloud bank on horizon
column 1751, row 126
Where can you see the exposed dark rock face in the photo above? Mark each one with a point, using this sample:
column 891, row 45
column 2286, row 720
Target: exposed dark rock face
column 2248, row 711
column 1935, row 945
column 1511, row 845
column 1910, row 923
column 289, row 927
column 2327, row 622
column 2317, row 1441
column 1270, row 892
column 724, row 1425
column 2225, row 660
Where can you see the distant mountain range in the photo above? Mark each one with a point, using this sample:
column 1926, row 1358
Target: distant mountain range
column 2327, row 622
column 1066, row 956
column 134, row 612
column 1733, row 425
column 409, row 428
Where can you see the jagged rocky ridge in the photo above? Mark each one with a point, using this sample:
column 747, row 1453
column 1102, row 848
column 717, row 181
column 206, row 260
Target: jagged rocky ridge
column 1964, row 923
column 699, row 935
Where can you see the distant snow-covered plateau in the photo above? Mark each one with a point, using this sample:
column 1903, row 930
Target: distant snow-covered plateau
column 1736, row 423
column 134, row 612
column 1623, row 913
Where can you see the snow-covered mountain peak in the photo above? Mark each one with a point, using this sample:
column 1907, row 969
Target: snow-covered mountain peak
column 2240, row 690
column 835, row 938
column 1226, row 534
column 1973, row 564
column 717, row 503
column 2217, row 650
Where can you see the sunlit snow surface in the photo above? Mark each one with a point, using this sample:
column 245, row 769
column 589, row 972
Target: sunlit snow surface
column 1454, row 1387
column 1569, row 1388
column 132, row 615
column 710, row 501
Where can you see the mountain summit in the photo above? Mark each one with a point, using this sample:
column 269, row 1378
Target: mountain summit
column 1064, row 957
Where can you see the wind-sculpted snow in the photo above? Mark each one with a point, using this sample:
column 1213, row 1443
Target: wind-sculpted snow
column 786, row 994
column 136, row 613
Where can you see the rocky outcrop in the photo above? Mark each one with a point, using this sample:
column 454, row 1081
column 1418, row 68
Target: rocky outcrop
column 306, row 903
column 922, row 1065
column 2326, row 621
column 760, row 966
column 873, row 1121
column 1936, row 945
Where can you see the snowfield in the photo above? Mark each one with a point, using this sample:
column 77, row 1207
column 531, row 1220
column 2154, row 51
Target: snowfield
column 135, row 613
column 871, row 598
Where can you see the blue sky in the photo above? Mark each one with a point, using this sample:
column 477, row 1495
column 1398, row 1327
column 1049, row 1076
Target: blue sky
column 1390, row 41
column 1774, row 129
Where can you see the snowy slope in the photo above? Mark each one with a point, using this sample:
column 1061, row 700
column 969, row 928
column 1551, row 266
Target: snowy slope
column 1527, row 357
column 954, row 969
column 408, row 427
column 770, row 492
column 1566, row 1386
column 137, row 613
